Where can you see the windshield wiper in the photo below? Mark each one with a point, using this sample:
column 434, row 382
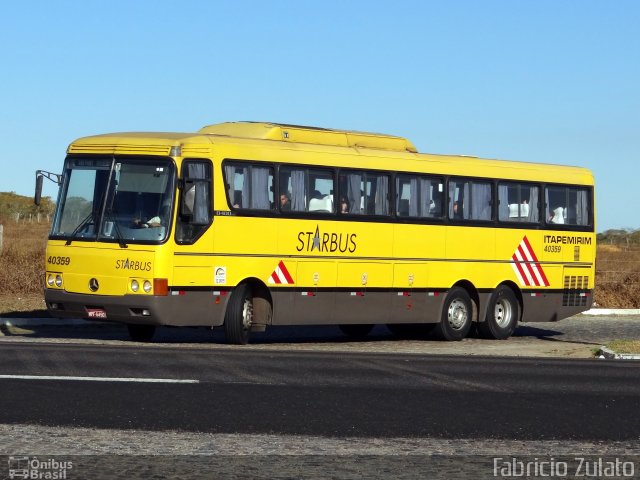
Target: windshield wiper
column 110, row 216
column 83, row 223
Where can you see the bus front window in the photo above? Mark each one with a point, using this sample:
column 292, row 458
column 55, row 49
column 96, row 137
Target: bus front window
column 83, row 191
column 130, row 200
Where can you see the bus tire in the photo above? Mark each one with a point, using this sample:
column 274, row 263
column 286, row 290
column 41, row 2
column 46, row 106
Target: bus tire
column 356, row 330
column 141, row 333
column 239, row 316
column 503, row 312
column 457, row 316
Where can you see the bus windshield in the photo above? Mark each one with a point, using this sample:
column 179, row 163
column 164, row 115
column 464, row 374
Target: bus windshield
column 115, row 200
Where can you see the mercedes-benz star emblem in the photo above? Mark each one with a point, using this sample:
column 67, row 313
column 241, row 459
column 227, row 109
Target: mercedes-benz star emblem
column 94, row 285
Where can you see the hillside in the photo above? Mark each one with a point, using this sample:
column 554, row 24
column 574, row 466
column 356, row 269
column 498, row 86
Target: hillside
column 14, row 206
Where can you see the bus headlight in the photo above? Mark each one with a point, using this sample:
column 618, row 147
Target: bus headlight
column 50, row 280
column 146, row 286
column 135, row 286
column 58, row 281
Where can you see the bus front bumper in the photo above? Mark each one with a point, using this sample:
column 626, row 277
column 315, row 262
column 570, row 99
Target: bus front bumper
column 191, row 308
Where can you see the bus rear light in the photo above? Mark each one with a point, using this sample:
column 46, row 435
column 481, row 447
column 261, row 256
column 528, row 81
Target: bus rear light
column 50, row 280
column 160, row 286
column 146, row 286
column 58, row 281
column 135, row 286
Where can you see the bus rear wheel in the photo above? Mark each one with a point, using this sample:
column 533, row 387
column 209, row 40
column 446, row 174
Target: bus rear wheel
column 239, row 316
column 141, row 333
column 502, row 317
column 457, row 313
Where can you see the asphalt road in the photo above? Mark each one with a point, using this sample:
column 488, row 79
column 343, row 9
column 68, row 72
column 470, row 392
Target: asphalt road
column 243, row 391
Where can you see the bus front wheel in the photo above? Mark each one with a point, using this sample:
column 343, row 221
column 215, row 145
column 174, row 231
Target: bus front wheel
column 457, row 313
column 239, row 316
column 503, row 312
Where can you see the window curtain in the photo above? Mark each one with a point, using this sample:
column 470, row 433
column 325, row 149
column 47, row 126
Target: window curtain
column 426, row 197
column 452, row 198
column 503, row 203
column 260, row 188
column 547, row 206
column 246, row 188
column 298, row 191
column 202, row 200
column 230, row 176
column 414, row 197
column 382, row 196
column 463, row 203
column 480, row 201
column 354, row 192
column 534, row 209
column 582, row 208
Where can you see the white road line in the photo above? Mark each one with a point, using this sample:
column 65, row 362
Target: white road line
column 97, row 379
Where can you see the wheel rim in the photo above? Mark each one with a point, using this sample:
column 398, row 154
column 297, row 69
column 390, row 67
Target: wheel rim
column 247, row 314
column 457, row 314
column 503, row 313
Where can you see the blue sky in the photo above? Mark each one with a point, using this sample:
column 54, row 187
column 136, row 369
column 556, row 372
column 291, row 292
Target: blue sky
column 545, row 81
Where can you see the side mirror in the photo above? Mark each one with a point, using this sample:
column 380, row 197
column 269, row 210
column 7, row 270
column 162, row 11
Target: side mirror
column 40, row 175
column 38, row 195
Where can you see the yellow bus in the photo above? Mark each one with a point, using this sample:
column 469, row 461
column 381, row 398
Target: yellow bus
column 245, row 225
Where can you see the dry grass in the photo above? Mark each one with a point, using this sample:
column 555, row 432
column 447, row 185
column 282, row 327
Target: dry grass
column 32, row 304
column 22, row 270
column 618, row 276
column 22, row 258
column 625, row 346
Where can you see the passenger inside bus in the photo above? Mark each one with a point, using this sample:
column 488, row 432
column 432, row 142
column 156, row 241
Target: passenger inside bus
column 285, row 203
column 344, row 205
column 457, row 210
column 159, row 220
column 557, row 215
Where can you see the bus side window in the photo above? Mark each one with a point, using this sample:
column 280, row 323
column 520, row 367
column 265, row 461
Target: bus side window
column 418, row 196
column 567, row 205
column 249, row 185
column 470, row 200
column 366, row 193
column 518, row 202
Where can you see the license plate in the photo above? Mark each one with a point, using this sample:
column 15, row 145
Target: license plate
column 96, row 313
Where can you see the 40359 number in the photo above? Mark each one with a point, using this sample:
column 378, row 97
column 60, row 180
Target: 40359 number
column 552, row 248
column 58, row 260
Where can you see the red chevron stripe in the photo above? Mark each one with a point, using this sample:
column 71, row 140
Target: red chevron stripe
column 285, row 272
column 535, row 259
column 534, row 277
column 518, row 265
